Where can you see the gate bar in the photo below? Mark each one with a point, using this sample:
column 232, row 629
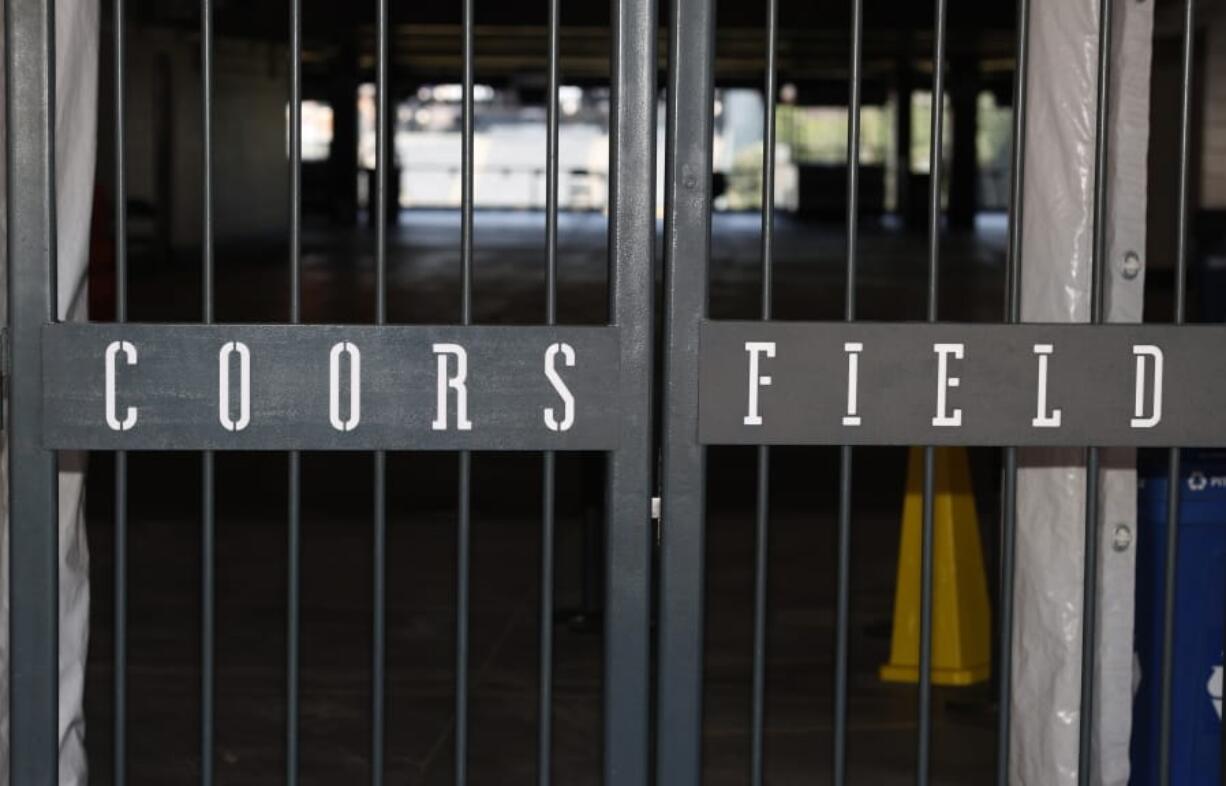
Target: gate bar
column 1013, row 315
column 121, row 457
column 632, row 234
column 294, row 544
column 378, row 652
column 464, row 530
column 1173, row 488
column 208, row 524
column 544, row 731
column 935, row 169
column 843, row 601
column 1089, row 608
column 687, row 245
column 33, row 490
column 762, row 526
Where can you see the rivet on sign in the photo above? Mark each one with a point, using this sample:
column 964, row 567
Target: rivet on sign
column 1132, row 265
column 1123, row 537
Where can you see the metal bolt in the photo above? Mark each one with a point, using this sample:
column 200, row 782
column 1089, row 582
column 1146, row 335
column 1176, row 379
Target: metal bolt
column 1123, row 538
column 1132, row 265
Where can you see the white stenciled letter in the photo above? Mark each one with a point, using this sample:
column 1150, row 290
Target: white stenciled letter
column 853, row 350
column 945, row 382
column 1044, row 418
column 568, row 400
column 756, row 381
column 244, row 386
column 457, row 382
column 112, row 419
column 355, row 387
column 1139, row 419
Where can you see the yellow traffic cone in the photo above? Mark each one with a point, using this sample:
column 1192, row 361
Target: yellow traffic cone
column 961, row 650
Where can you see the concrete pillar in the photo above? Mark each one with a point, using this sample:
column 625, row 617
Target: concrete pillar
column 343, row 160
column 902, row 139
column 392, row 170
column 964, row 173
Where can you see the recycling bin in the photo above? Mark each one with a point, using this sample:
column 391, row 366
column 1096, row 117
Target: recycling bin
column 1200, row 616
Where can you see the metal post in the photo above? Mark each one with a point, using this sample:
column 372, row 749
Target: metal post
column 632, row 231
column 762, row 518
column 935, row 171
column 687, row 241
column 121, row 457
column 544, row 729
column 294, row 534
column 1013, row 314
column 1089, row 603
column 378, row 212
column 464, row 500
column 208, row 509
column 846, row 456
column 1173, row 489
column 33, row 487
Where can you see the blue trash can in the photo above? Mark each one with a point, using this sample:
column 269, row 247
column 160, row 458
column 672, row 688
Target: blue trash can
column 1200, row 609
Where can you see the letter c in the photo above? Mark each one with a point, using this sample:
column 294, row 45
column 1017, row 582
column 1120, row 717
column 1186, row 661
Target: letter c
column 112, row 419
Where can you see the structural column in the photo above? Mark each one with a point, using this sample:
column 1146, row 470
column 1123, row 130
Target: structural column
column 343, row 158
column 902, row 141
column 964, row 177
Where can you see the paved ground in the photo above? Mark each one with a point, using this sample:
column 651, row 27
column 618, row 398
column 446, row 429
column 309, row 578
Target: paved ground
column 423, row 272
column 165, row 546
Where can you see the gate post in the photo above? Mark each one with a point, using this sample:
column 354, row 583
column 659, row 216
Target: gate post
column 33, row 484
column 687, row 245
column 632, row 230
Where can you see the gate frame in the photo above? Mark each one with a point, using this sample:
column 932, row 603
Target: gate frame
column 33, row 471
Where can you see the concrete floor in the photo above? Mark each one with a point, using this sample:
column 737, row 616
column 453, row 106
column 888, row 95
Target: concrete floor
column 252, row 277
column 164, row 552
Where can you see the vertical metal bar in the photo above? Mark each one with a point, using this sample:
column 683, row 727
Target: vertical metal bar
column 378, row 645
column 762, row 519
column 843, row 600
column 207, row 638
column 294, row 545
column 1013, row 314
column 1173, row 479
column 628, row 532
column 120, row 722
column 687, row 241
column 1089, row 622
column 544, row 732
column 935, row 172
column 33, row 487
column 464, row 530
column 379, row 639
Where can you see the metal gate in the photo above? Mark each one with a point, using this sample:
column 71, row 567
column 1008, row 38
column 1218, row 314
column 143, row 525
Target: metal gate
column 209, row 387
column 851, row 383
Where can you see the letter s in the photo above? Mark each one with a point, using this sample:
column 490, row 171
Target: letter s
column 568, row 400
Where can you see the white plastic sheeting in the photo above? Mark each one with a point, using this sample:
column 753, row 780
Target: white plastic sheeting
column 1051, row 485
column 76, row 33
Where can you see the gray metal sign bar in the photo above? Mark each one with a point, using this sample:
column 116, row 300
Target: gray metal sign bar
column 330, row 387
column 961, row 384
